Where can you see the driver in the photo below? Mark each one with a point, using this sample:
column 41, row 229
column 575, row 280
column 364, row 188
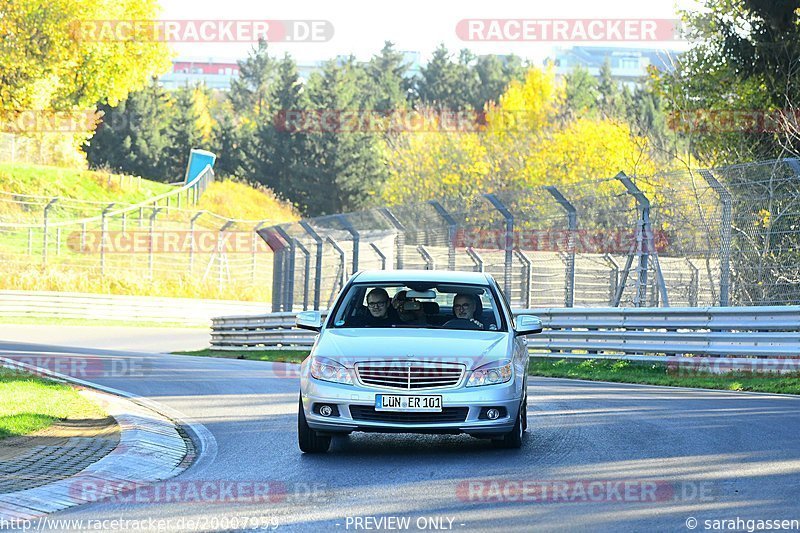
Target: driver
column 464, row 307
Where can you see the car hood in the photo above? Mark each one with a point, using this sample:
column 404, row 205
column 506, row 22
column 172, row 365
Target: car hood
column 473, row 348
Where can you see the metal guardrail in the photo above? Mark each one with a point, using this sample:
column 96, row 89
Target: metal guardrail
column 772, row 331
column 46, row 304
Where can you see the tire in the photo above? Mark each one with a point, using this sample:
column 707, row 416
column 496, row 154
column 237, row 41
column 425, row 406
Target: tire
column 309, row 440
column 513, row 439
column 525, row 414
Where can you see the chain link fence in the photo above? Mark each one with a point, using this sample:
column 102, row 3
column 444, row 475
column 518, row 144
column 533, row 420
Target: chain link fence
column 160, row 244
column 711, row 237
column 715, row 237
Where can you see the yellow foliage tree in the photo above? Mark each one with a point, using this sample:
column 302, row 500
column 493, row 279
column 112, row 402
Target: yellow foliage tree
column 522, row 145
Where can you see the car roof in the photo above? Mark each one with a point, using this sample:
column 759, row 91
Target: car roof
column 436, row 276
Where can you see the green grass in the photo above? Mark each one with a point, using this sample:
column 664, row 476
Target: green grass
column 29, row 404
column 589, row 369
column 283, row 356
column 42, row 321
column 659, row 374
column 90, row 185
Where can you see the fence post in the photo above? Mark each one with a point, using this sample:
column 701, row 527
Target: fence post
column 44, row 237
column 222, row 256
column 380, row 254
column 613, row 280
column 694, row 284
column 342, row 266
column 30, row 241
column 348, row 227
column 306, row 271
column 509, row 242
column 572, row 227
column 317, row 262
column 192, row 240
column 430, row 264
column 451, row 233
column 644, row 246
column 289, row 274
column 476, row 258
column 725, row 236
column 278, row 247
column 103, row 238
column 527, row 278
column 58, row 240
column 400, row 238
column 150, row 241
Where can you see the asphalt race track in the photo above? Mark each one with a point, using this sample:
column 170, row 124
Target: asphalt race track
column 598, row 456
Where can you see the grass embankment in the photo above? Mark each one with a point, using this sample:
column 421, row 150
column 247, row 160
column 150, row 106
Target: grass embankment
column 662, row 374
column 590, row 369
column 242, row 201
column 174, row 274
column 29, row 403
column 87, row 185
column 282, row 356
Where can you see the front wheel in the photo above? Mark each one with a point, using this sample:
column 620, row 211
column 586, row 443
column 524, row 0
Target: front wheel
column 513, row 439
column 309, row 440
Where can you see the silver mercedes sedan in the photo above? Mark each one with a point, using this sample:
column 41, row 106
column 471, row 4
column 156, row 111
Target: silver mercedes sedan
column 408, row 351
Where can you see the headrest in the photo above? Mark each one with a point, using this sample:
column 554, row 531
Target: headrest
column 430, row 308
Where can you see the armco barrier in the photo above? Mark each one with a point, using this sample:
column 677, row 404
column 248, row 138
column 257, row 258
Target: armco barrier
column 44, row 304
column 699, row 331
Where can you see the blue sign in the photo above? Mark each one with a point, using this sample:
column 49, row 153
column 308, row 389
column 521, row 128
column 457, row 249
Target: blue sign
column 198, row 161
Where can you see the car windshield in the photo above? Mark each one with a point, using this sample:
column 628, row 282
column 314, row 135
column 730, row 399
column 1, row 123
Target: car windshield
column 414, row 305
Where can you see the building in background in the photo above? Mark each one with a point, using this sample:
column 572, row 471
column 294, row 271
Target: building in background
column 628, row 65
column 217, row 73
column 214, row 73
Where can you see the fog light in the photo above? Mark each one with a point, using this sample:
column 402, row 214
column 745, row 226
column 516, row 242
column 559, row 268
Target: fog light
column 325, row 410
column 492, row 414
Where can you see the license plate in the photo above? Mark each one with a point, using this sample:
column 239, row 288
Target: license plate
column 396, row 402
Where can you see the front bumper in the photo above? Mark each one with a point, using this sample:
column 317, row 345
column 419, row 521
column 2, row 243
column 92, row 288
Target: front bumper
column 507, row 395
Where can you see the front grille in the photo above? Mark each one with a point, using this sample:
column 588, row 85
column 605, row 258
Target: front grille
column 411, row 375
column 448, row 414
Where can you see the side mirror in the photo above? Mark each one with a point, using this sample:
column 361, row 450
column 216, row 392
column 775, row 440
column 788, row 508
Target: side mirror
column 309, row 320
column 527, row 325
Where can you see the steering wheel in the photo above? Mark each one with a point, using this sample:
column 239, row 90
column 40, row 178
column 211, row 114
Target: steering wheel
column 462, row 323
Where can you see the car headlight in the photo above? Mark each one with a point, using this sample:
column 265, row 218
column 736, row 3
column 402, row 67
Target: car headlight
column 491, row 374
column 328, row 370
